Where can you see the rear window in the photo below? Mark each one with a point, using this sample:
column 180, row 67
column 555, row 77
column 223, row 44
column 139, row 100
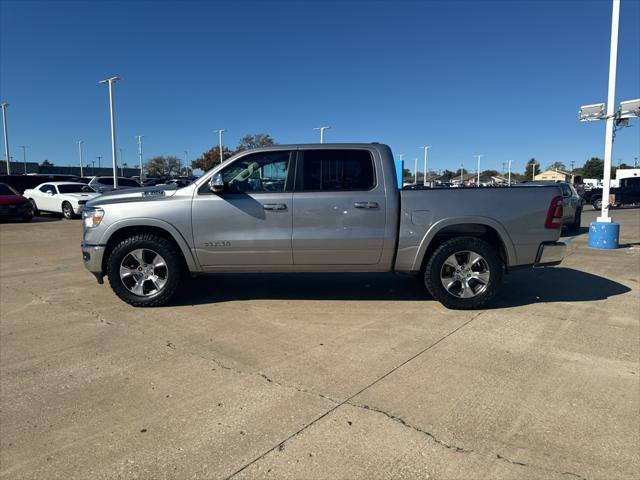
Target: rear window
column 336, row 170
column 73, row 188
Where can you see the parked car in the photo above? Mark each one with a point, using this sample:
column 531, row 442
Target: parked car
column 330, row 207
column 571, row 203
column 14, row 205
column 627, row 193
column 105, row 184
column 67, row 198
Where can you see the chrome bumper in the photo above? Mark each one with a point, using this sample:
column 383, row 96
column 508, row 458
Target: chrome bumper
column 92, row 259
column 551, row 253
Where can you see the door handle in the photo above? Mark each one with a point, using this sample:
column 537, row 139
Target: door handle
column 366, row 204
column 274, row 206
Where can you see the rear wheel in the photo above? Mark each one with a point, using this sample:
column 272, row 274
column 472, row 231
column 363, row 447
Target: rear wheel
column 597, row 204
column 464, row 273
column 67, row 211
column 145, row 270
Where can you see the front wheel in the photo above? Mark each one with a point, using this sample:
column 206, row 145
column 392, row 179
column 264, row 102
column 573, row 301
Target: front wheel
column 145, row 270
column 464, row 273
column 597, row 204
column 35, row 207
column 67, row 211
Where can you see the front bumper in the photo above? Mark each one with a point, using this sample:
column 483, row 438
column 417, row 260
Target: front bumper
column 551, row 253
column 92, row 259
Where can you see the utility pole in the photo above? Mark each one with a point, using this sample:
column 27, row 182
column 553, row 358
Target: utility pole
column 93, row 167
column 573, row 162
column 80, row 142
column 533, row 170
column 110, row 82
column 478, row 180
column 99, row 158
column 503, row 165
column 139, row 137
column 220, row 132
column 461, row 174
column 415, row 171
column 24, row 156
column 122, row 162
column 6, row 136
column 322, row 129
column 426, row 149
column 509, row 172
column 186, row 160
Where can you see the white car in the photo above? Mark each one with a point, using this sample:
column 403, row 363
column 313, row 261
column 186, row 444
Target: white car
column 60, row 197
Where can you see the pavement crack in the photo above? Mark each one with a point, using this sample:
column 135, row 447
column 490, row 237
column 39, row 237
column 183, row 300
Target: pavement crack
column 535, row 467
column 403, row 422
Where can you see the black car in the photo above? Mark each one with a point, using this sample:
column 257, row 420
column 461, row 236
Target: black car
column 628, row 193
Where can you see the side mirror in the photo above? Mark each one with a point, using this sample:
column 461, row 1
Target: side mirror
column 50, row 193
column 216, row 183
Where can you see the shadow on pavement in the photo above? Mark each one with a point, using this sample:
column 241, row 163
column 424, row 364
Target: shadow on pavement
column 38, row 219
column 522, row 287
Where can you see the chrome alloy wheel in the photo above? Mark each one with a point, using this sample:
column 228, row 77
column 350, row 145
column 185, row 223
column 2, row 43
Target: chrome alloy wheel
column 465, row 274
column 143, row 272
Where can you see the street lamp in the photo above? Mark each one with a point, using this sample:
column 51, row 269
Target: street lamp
column 509, row 172
column 415, row 171
column 122, row 162
column 139, row 137
column 24, row 156
column 220, row 132
column 99, row 157
column 426, row 148
column 321, row 129
column 478, row 157
column 6, row 136
column 110, row 82
column 80, row 142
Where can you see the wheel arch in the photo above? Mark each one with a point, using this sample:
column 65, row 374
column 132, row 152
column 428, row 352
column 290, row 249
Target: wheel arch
column 121, row 230
column 485, row 228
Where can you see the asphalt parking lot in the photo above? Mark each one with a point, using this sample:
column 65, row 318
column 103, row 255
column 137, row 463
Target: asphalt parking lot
column 318, row 376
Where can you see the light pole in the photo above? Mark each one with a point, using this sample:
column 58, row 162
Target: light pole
column 461, row 174
column 321, row 129
column 220, row 132
column 99, row 157
column 139, row 137
column 24, row 156
column 186, row 160
column 6, row 136
column 426, row 149
column 415, row 171
column 533, row 170
column 478, row 180
column 80, row 142
column 93, row 167
column 509, row 172
column 122, row 162
column 110, row 82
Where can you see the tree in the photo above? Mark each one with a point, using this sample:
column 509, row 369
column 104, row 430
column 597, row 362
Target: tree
column 593, row 168
column 45, row 163
column 210, row 159
column 254, row 141
column 489, row 173
column 528, row 171
column 557, row 166
column 457, row 174
column 162, row 166
column 447, row 175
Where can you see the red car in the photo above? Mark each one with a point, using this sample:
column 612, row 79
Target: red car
column 14, row 205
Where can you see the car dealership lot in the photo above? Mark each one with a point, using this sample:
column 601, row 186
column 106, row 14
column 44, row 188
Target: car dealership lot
column 316, row 375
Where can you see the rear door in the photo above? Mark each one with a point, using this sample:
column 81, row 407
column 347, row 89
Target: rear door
column 339, row 208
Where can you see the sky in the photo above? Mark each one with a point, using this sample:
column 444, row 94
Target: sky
column 500, row 78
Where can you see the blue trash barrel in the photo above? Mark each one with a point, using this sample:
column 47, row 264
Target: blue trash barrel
column 604, row 235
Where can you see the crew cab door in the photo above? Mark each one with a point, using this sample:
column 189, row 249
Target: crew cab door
column 339, row 208
column 250, row 222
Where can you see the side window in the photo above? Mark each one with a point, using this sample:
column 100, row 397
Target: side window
column 105, row 181
column 336, row 170
column 48, row 188
column 264, row 172
column 566, row 191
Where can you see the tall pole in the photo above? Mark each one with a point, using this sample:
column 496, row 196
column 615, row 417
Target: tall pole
column 24, row 156
column 533, row 170
column 6, row 136
column 93, row 167
column 110, row 82
column 509, row 172
column 415, row 171
column 322, row 129
column 80, row 142
column 99, row 157
column 122, row 161
column 219, row 132
column 426, row 149
column 186, row 160
column 139, row 137
column 611, row 98
column 461, row 174
column 478, row 172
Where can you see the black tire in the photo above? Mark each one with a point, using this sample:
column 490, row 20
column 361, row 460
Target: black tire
column 27, row 218
column 577, row 221
column 597, row 204
column 35, row 207
column 175, row 269
column 436, row 264
column 67, row 211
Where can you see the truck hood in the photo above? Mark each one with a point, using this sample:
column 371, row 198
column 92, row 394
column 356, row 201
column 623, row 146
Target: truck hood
column 143, row 194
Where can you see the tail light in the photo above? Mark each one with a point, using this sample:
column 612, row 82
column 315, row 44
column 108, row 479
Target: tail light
column 554, row 215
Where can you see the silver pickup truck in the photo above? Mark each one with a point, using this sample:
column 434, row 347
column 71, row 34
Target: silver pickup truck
column 324, row 207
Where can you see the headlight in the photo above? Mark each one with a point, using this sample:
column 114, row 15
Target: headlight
column 91, row 217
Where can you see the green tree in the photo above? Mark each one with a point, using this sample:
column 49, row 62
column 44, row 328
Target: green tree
column 254, row 141
column 163, row 166
column 528, row 171
column 490, row 173
column 457, row 174
column 593, row 168
column 557, row 166
column 210, row 159
column 447, row 175
column 45, row 163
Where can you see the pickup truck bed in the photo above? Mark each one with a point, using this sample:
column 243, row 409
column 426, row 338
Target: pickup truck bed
column 328, row 207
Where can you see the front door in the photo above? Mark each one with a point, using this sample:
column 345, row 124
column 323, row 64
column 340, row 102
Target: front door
column 339, row 209
column 250, row 222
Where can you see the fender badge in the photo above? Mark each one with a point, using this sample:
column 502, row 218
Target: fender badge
column 153, row 193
